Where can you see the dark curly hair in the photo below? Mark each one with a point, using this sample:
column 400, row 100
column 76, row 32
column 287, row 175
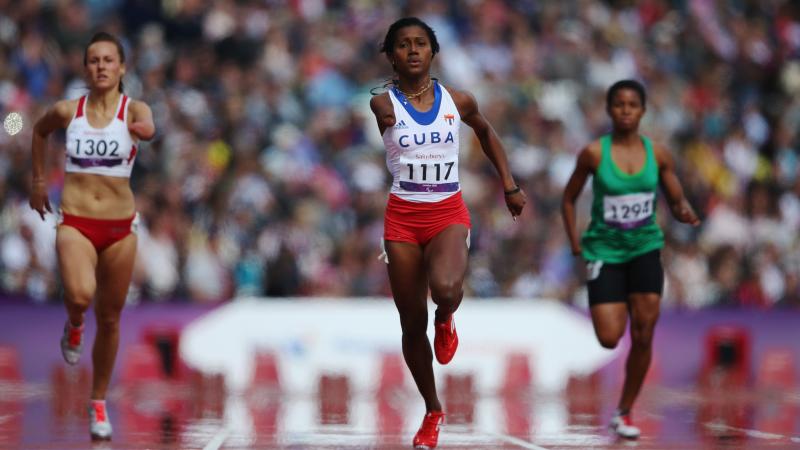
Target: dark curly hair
column 626, row 84
column 391, row 35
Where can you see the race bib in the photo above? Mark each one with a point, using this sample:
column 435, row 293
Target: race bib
column 434, row 176
column 628, row 211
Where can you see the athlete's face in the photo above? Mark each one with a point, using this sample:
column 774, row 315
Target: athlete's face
column 104, row 67
column 626, row 109
column 412, row 52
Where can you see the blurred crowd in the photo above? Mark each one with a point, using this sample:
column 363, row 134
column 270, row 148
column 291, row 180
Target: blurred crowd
column 267, row 174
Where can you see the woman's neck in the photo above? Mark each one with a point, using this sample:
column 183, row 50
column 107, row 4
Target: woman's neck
column 625, row 137
column 103, row 101
column 414, row 86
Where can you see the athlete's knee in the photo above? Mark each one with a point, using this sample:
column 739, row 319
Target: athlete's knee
column 609, row 340
column 79, row 295
column 642, row 335
column 108, row 318
column 447, row 292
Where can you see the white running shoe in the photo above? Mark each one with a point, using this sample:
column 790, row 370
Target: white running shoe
column 622, row 424
column 99, row 424
column 72, row 343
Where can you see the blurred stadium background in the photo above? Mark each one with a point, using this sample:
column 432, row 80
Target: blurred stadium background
column 267, row 180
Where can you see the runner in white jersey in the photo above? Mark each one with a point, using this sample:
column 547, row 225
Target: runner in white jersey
column 95, row 239
column 108, row 151
column 426, row 226
column 422, row 148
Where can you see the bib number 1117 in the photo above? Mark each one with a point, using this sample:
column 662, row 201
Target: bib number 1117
column 423, row 170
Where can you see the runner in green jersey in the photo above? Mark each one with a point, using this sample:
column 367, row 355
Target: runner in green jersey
column 622, row 245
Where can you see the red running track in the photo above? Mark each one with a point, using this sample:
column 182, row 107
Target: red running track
column 197, row 413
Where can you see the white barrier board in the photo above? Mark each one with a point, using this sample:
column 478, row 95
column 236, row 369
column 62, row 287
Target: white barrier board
column 312, row 337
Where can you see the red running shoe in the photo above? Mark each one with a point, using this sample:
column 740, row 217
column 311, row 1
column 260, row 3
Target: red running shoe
column 72, row 343
column 99, row 425
column 445, row 342
column 428, row 434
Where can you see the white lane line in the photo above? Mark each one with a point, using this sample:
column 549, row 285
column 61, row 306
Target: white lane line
column 751, row 433
column 517, row 441
column 218, row 439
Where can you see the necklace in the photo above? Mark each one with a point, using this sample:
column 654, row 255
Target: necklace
column 417, row 94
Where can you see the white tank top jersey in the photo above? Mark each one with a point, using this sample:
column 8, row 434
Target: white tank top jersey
column 422, row 148
column 108, row 151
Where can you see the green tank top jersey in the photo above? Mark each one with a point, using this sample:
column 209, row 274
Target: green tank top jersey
column 623, row 222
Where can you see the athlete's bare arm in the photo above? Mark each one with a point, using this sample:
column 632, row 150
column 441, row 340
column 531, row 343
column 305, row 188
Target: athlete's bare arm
column 678, row 204
column 58, row 116
column 381, row 106
column 587, row 163
column 140, row 121
column 491, row 146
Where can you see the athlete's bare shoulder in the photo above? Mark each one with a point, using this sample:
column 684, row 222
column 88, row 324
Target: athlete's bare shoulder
column 381, row 106
column 455, row 92
column 467, row 106
column 464, row 100
column 662, row 154
column 59, row 115
column 65, row 109
column 590, row 155
column 594, row 147
column 380, row 103
column 139, row 108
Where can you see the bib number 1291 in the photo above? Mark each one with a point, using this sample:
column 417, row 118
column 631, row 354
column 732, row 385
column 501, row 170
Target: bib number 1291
column 628, row 211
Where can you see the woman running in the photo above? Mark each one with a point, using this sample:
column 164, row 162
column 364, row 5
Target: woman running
column 426, row 227
column 95, row 239
column 622, row 246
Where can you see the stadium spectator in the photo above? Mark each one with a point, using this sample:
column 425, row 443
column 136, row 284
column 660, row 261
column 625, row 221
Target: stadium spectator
column 265, row 142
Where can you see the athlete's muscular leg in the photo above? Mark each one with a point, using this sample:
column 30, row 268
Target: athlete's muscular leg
column 114, row 271
column 609, row 320
column 644, row 315
column 446, row 266
column 77, row 261
column 410, row 291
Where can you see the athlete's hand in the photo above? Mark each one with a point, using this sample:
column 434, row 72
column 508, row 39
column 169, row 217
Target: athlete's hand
column 684, row 213
column 579, row 268
column 515, row 202
column 39, row 200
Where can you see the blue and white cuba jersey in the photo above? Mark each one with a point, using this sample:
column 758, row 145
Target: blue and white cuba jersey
column 422, row 148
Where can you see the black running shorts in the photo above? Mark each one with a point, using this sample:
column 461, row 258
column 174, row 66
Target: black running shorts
column 612, row 283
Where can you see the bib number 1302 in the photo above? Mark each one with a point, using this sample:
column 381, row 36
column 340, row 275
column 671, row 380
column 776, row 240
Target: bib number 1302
column 98, row 147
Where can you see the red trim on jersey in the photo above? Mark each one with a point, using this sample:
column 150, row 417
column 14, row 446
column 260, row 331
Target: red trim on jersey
column 81, row 101
column 121, row 114
column 133, row 154
column 419, row 222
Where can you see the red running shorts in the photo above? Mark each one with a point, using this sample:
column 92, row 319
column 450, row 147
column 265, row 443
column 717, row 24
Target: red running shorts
column 419, row 222
column 101, row 232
